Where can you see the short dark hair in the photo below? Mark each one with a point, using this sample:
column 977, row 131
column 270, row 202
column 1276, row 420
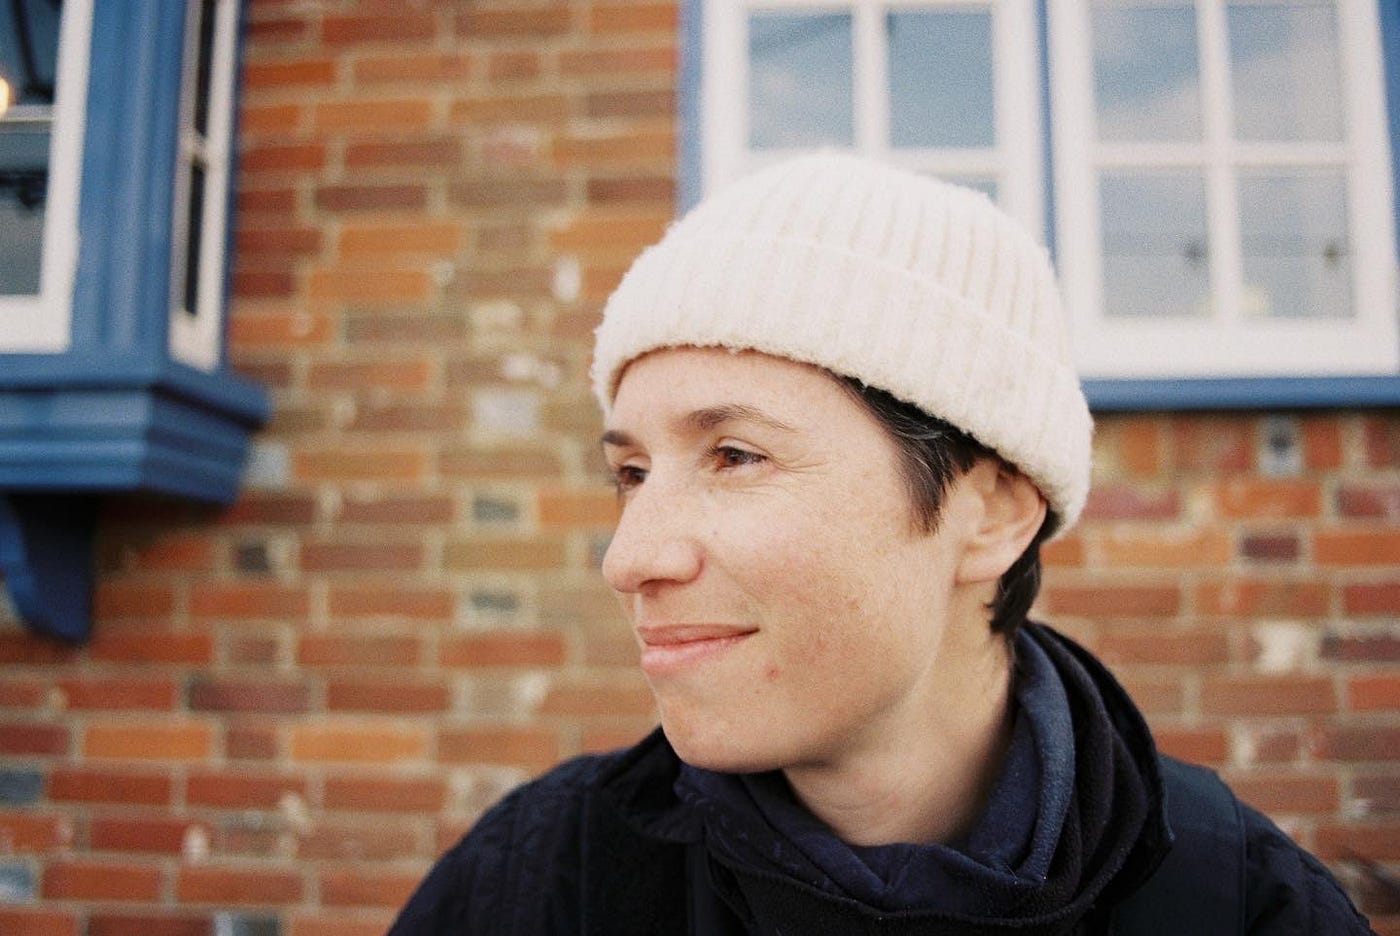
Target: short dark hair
column 932, row 454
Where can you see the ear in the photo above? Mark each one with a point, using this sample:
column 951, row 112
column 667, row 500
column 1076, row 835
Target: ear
column 1013, row 510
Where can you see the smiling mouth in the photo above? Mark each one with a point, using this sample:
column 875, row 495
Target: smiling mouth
column 672, row 649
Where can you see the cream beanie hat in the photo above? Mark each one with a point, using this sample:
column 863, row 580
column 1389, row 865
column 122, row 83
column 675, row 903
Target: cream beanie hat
column 916, row 287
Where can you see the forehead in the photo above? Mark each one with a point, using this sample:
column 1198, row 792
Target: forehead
column 681, row 378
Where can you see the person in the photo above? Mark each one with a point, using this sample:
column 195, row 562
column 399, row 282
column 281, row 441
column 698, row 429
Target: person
column 842, row 419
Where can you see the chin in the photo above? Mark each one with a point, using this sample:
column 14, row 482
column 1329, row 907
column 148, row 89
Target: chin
column 720, row 750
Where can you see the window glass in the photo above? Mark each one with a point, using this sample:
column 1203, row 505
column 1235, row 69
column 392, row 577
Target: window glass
column 28, row 56
column 1293, row 234
column 204, row 65
column 940, row 78
column 1155, row 256
column 1285, row 72
column 800, row 80
column 1146, row 84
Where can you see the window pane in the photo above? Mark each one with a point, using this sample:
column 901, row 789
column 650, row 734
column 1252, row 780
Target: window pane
column 800, row 89
column 983, row 184
column 28, row 57
column 1145, row 73
column 941, row 78
column 194, row 233
column 1285, row 72
column 1293, row 233
column 1155, row 247
column 204, row 65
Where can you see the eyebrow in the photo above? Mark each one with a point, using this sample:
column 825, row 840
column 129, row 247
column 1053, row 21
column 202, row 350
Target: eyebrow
column 707, row 418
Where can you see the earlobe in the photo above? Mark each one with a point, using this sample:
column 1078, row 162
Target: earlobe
column 1013, row 510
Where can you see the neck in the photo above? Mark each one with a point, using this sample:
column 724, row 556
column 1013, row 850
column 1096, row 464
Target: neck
column 929, row 781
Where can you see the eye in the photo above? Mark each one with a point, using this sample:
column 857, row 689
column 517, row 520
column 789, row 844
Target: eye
column 627, row 477
column 729, row 456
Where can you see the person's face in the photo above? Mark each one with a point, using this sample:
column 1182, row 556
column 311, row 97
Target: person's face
column 788, row 610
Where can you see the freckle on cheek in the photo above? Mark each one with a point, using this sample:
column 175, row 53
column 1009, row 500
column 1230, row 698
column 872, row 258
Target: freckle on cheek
column 772, row 673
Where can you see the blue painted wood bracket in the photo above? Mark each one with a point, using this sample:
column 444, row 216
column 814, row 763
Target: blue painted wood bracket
column 46, row 559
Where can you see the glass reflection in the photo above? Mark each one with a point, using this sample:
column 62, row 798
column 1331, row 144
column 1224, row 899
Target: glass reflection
column 940, row 76
column 1284, row 72
column 800, row 87
column 28, row 58
column 1293, row 236
column 1146, row 82
column 1156, row 258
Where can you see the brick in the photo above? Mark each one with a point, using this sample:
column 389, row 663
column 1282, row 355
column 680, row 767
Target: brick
column 23, row 693
column 1382, row 440
column 117, row 693
column 512, row 65
column 363, row 651
column 621, row 104
column 390, row 600
column 33, row 738
column 281, row 330
column 1164, row 548
column 247, row 600
column 1115, row 601
column 1372, row 548
column 1372, row 502
column 369, row 29
column 1358, row 743
column 241, row 789
column 588, row 699
column 250, row 742
column 35, row 921
column 282, row 241
column 359, row 557
column 282, row 157
column 323, row 923
column 389, row 197
column 296, row 73
column 380, row 464
column 381, row 840
column 1065, row 552
column 1258, row 597
column 395, row 509
column 512, row 554
column 1361, row 647
column 642, row 148
column 626, row 233
column 629, row 61
column 270, row 120
column 1132, row 502
column 341, row 888
column 424, row 68
column 436, row 239
column 150, row 924
column 355, row 284
column 372, row 116
column 513, row 23
column 1379, row 598
column 1120, row 645
column 617, row 18
column 1322, row 442
column 1284, row 547
column 397, row 696
column 1195, row 745
column 511, row 193
column 545, row 109
column 34, row 832
column 1211, row 443
column 1378, row 841
column 281, row 202
column 263, row 696
column 277, row 30
column 531, row 748
column 98, row 785
column 626, row 189
column 438, row 152
column 150, row 835
column 238, row 886
column 503, row 649
column 118, row 600
column 88, row 880
column 1240, row 498
column 572, row 508
column 1267, row 696
column 1255, row 744
column 169, row 741
column 33, row 649
column 1378, row 794
column 500, row 464
column 1379, row 692
column 361, row 793
column 263, row 284
column 263, row 507
column 363, row 742
column 1282, row 794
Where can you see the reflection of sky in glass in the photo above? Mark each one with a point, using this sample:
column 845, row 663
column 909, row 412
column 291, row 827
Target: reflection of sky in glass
column 941, row 78
column 1145, row 72
column 1155, row 247
column 1284, row 68
column 982, row 184
column 800, row 90
column 1293, row 234
column 42, row 17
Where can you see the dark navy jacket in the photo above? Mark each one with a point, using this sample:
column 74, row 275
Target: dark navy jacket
column 635, row 842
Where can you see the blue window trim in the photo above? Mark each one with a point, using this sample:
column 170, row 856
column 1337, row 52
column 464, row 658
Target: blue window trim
column 1281, row 392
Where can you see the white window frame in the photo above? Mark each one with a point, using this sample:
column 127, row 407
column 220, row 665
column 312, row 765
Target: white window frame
column 1228, row 343
column 1015, row 160
column 196, row 336
column 42, row 323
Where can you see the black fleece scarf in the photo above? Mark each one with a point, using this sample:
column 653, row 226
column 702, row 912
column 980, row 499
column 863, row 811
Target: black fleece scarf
column 1074, row 822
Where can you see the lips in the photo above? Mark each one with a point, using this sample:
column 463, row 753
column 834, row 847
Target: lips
column 671, row 649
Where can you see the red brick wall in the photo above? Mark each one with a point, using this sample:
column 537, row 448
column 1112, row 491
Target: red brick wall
column 289, row 707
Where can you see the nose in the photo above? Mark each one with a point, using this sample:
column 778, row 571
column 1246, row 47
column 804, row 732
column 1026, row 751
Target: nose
column 654, row 543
